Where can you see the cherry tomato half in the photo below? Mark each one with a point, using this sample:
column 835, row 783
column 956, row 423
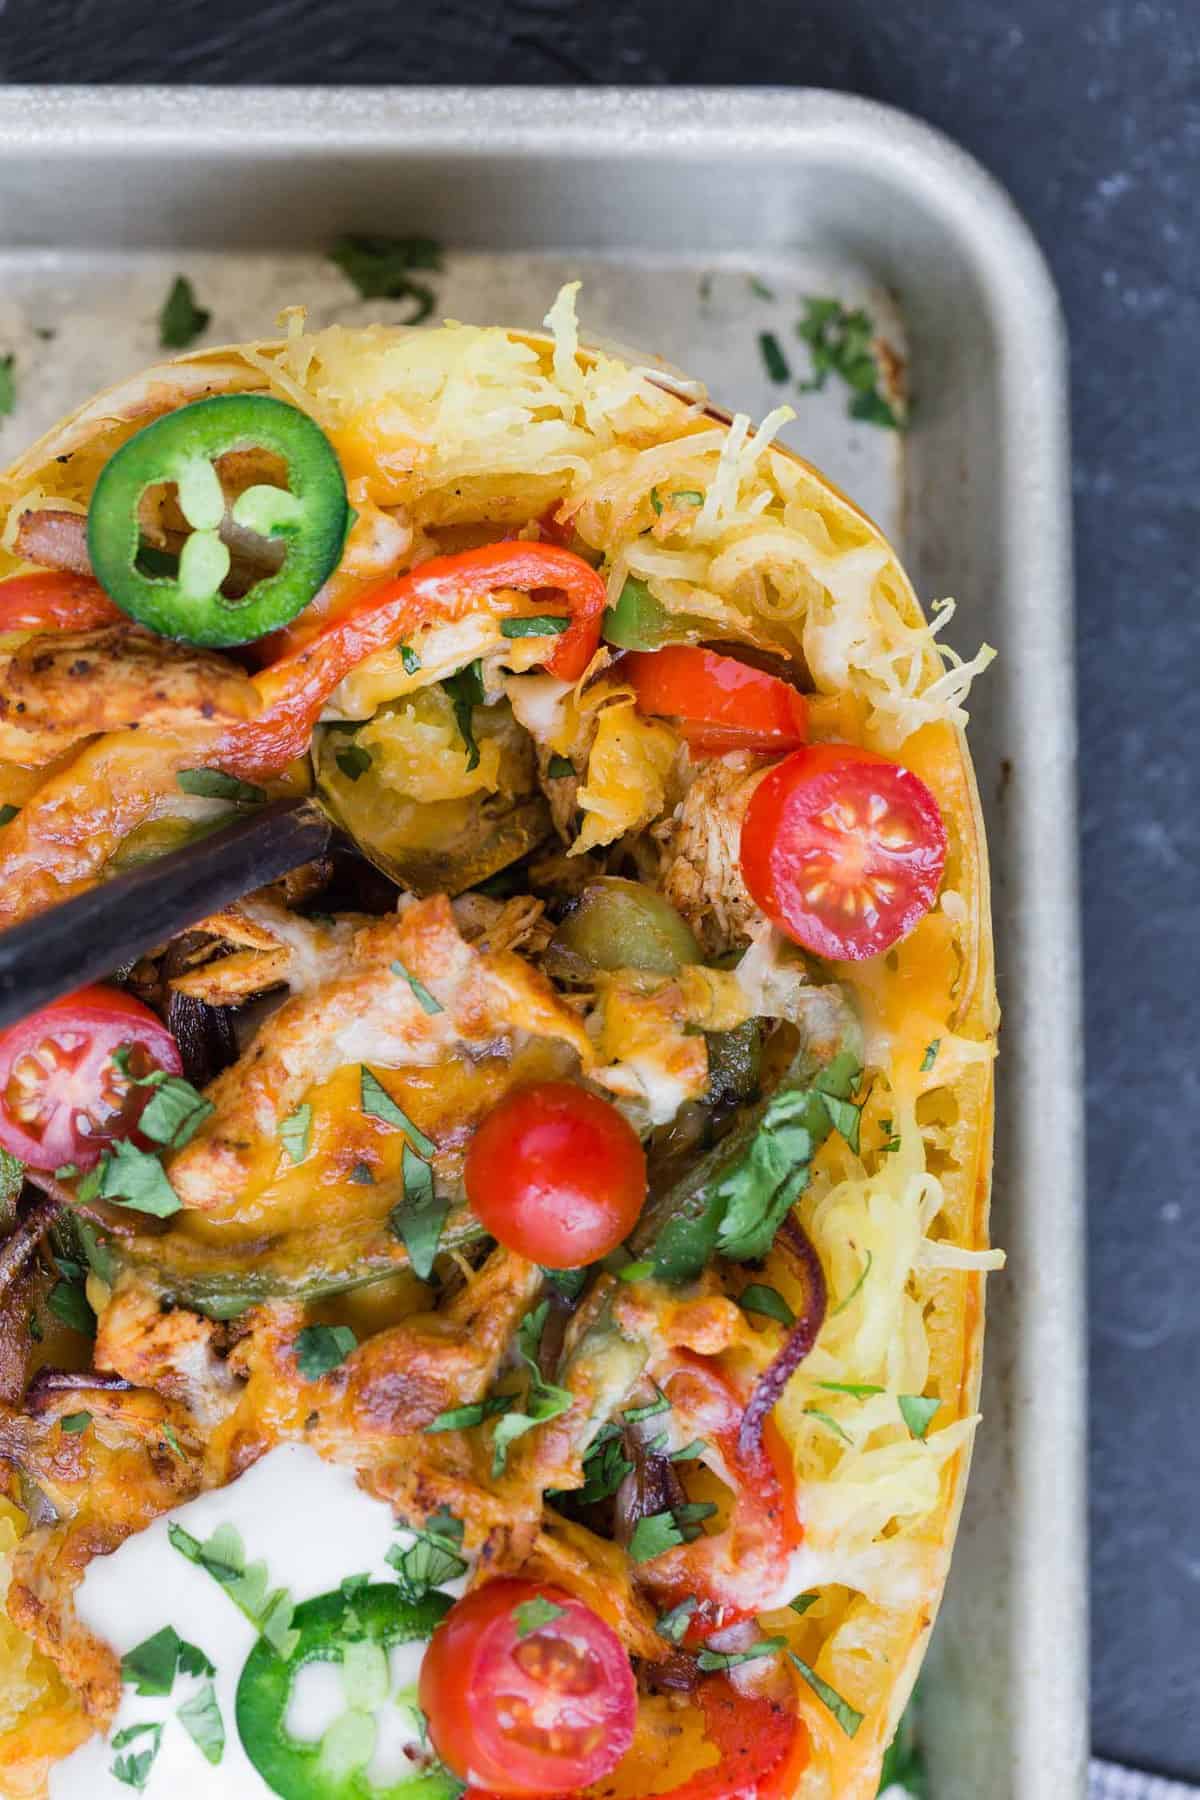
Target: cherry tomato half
column 843, row 850
column 556, row 1174
column 527, row 1698
column 721, row 704
column 55, row 601
column 62, row 1098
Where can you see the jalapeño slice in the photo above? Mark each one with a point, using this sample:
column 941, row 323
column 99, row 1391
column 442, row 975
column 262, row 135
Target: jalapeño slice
column 309, row 517
column 337, row 1627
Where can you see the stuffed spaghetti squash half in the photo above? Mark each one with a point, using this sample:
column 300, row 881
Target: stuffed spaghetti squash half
column 588, row 1158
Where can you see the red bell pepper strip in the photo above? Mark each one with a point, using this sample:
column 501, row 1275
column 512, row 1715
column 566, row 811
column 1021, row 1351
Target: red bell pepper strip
column 295, row 688
column 763, row 1747
column 734, row 1573
column 55, row 601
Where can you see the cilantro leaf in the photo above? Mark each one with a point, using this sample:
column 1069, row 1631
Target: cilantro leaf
column 535, row 625
column 635, row 1414
column 856, row 1289
column 930, row 1056
column 768, row 1301
column 363, row 1174
column 377, row 1103
column 569, row 1282
column 214, row 784
column 653, row 1535
column 559, row 767
column 774, row 361
column 8, row 384
column 172, row 1442
column 201, row 1719
column 531, row 1615
column 134, row 1771
column 353, row 761
column 150, row 1666
column 420, row 991
column 690, row 1452
column 917, row 1411
column 466, row 691
column 604, row 1467
column 545, row 1402
column 841, row 342
column 829, row 1422
column 74, row 1423
column 8, row 812
column 432, row 1557
column 802, row 1602
column 175, row 1112
column 381, row 268
column 181, row 321
column 320, row 1348
column 845, row 1714
column 673, row 1625
column 859, row 1390
column 223, row 1557
column 69, row 1303
column 409, row 658
column 136, row 1179
column 465, row 1418
column 417, row 1220
column 295, row 1132
column 711, row 1660
column 636, row 1271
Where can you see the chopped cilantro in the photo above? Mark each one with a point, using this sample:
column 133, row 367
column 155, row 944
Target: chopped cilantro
column 802, row 1602
column 214, row 784
column 758, row 288
column 417, row 1220
column 654, row 1535
column 569, row 1282
column 635, row 1271
column 840, row 342
column 134, row 1771
column 689, row 1516
column 712, row 1660
column 8, row 384
column 688, row 497
column 466, row 691
column 175, row 1112
column 655, row 500
column 843, row 1712
column 201, row 1719
column 830, row 1423
column 774, row 361
column 353, row 761
column 917, row 1411
column 690, row 1452
column 560, row 767
column 409, row 658
column 320, row 1348
column 535, row 625
column 181, row 321
column 74, row 1423
column 635, row 1414
column 171, row 1440
column 673, row 1625
column 363, row 1174
column 150, row 1666
column 768, row 1301
column 604, row 1467
column 421, row 992
column 432, row 1557
column 855, row 1290
column 223, row 1557
column 377, row 1103
column 859, row 1390
column 8, row 812
column 465, row 1418
column 930, row 1056
column 69, row 1303
column 382, row 268
column 295, row 1132
column 136, row 1179
column 531, row 1615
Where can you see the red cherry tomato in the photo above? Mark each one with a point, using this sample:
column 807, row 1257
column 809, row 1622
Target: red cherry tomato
column 556, row 1174
column 721, row 704
column 62, row 1098
column 843, row 850
column 522, row 1704
column 55, row 601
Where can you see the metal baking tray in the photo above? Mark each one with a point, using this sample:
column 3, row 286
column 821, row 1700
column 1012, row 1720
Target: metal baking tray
column 676, row 207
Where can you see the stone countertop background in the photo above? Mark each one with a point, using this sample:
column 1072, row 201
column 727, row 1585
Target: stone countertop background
column 1089, row 112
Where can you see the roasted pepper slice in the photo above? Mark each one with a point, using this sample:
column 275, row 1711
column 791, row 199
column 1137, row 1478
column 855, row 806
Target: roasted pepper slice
column 310, row 516
column 363, row 1625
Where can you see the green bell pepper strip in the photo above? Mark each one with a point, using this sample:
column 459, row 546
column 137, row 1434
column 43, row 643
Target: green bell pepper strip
column 359, row 1627
column 310, row 516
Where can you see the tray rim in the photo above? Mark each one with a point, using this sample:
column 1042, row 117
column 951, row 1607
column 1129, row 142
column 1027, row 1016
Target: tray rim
column 479, row 123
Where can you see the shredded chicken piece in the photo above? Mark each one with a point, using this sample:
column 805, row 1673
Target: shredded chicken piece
column 61, row 686
column 700, row 873
column 492, row 925
column 362, row 1012
column 105, row 1484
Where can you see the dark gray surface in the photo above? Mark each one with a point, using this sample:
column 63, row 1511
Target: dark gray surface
column 1090, row 113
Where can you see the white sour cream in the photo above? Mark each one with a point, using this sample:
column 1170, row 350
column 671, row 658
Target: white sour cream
column 312, row 1525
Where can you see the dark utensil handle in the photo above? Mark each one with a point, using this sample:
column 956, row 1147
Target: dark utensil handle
column 86, row 938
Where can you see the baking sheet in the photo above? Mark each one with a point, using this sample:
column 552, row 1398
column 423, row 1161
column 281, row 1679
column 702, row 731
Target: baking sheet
column 669, row 204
